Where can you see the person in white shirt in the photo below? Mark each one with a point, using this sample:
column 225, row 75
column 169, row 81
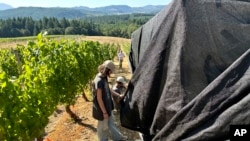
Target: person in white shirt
column 121, row 55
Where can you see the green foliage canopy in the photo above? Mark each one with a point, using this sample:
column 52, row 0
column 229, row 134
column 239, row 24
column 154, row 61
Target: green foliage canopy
column 34, row 79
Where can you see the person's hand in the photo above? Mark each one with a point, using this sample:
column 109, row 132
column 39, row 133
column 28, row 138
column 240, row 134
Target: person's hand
column 121, row 97
column 105, row 115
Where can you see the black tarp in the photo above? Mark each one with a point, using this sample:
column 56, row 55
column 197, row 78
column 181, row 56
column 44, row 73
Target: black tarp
column 190, row 79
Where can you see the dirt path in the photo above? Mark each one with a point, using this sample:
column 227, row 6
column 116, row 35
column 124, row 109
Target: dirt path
column 63, row 128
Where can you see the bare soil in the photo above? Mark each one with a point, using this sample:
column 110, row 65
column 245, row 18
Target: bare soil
column 62, row 128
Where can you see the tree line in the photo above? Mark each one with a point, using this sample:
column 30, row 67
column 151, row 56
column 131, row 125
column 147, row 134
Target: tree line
column 112, row 25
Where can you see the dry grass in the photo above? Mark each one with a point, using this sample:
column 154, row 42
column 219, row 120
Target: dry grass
column 12, row 42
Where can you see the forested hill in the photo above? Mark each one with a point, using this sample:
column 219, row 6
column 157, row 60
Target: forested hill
column 108, row 25
column 76, row 12
column 116, row 20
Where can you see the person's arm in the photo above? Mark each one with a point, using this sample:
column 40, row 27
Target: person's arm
column 114, row 93
column 101, row 103
column 119, row 96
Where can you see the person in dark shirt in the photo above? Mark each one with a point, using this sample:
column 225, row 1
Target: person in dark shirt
column 103, row 105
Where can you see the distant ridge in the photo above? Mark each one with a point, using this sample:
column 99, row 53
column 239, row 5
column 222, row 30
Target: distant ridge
column 4, row 6
column 76, row 12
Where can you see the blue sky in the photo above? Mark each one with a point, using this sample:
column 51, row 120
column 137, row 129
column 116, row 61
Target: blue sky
column 89, row 3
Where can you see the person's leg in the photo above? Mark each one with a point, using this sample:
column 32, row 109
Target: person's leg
column 102, row 131
column 120, row 64
column 115, row 133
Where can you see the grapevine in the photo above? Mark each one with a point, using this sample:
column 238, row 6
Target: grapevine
column 37, row 77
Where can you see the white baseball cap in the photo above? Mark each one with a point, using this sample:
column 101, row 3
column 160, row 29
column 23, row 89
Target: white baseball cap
column 120, row 79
